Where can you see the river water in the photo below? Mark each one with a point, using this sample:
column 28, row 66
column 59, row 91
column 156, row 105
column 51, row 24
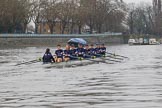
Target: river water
column 134, row 83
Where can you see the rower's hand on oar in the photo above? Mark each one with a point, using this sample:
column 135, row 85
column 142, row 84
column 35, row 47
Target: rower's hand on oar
column 40, row 59
column 80, row 58
column 93, row 57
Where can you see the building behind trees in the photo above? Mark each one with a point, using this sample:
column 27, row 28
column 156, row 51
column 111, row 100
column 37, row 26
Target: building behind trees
column 80, row 16
column 61, row 16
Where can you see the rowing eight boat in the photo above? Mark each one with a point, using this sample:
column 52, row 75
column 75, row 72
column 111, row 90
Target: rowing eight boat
column 79, row 62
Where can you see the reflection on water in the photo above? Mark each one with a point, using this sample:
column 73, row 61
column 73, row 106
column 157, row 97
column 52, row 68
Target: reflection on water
column 135, row 83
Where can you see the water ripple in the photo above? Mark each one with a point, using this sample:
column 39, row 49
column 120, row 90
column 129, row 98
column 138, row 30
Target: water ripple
column 135, row 83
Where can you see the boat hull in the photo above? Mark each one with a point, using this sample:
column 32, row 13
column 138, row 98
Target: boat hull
column 73, row 63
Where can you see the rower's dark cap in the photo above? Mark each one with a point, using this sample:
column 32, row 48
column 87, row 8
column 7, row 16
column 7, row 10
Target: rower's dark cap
column 92, row 45
column 103, row 44
column 86, row 45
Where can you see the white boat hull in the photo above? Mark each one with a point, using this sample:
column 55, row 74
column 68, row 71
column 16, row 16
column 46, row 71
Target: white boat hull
column 73, row 63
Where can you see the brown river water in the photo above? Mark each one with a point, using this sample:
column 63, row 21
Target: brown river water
column 134, row 83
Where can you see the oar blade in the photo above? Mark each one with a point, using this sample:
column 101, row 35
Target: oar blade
column 29, row 62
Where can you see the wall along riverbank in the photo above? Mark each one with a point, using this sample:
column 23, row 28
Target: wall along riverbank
column 39, row 40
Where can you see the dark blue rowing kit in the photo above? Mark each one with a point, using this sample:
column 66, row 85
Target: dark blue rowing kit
column 97, row 50
column 103, row 50
column 73, row 54
column 59, row 53
column 80, row 52
column 48, row 58
column 92, row 51
column 66, row 53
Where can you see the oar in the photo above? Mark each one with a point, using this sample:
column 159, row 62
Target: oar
column 104, row 58
column 74, row 57
column 110, row 60
column 100, row 55
column 92, row 58
column 117, row 55
column 114, row 58
column 29, row 62
column 99, row 61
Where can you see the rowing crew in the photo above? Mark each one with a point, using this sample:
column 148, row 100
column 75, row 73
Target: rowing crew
column 73, row 53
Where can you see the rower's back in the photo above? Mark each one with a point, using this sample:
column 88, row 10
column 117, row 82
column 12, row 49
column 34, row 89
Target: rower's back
column 47, row 57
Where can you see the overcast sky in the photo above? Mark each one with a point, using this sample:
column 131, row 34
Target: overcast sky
column 137, row 1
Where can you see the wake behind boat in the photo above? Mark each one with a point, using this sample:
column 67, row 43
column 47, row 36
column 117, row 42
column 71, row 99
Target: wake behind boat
column 74, row 63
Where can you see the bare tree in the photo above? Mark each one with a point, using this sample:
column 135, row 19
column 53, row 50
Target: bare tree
column 50, row 14
column 12, row 14
column 64, row 14
column 80, row 17
column 37, row 7
column 90, row 7
column 26, row 13
column 73, row 15
column 140, row 19
column 99, row 15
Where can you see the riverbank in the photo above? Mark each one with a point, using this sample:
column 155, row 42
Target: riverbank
column 28, row 40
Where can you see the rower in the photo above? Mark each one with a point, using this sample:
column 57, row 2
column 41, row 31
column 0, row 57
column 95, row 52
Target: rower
column 59, row 54
column 73, row 55
column 92, row 50
column 67, row 53
column 103, row 50
column 97, row 50
column 80, row 51
column 48, row 58
column 87, row 51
